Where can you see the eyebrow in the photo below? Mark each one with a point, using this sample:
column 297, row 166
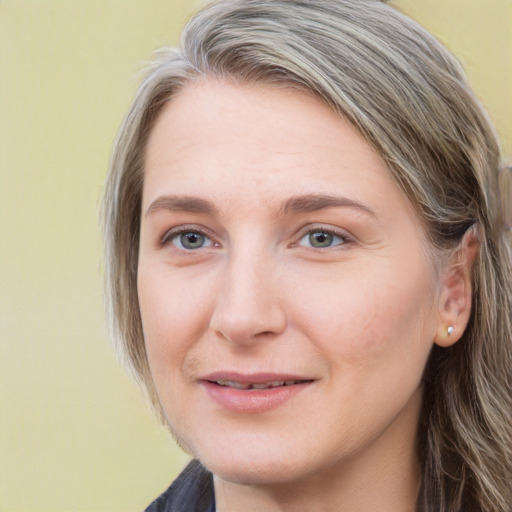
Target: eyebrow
column 297, row 204
column 182, row 204
column 314, row 202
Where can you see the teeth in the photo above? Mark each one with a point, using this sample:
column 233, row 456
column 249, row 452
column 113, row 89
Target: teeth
column 233, row 384
column 262, row 385
column 265, row 385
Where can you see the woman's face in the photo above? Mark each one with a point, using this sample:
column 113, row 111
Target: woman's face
column 287, row 300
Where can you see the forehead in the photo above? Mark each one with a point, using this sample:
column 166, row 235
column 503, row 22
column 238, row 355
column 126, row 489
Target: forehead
column 219, row 139
column 259, row 119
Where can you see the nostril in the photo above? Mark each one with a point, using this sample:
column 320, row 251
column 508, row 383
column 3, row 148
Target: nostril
column 248, row 329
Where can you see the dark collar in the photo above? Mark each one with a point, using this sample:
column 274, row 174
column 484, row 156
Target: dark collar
column 192, row 491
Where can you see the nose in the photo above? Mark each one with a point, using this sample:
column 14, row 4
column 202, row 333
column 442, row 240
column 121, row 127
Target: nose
column 249, row 306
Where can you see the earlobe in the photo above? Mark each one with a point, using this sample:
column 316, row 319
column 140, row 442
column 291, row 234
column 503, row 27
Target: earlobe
column 446, row 335
column 454, row 306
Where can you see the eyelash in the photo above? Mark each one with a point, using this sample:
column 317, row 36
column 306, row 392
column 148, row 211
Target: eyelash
column 173, row 234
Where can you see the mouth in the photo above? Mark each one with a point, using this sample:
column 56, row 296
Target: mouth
column 249, row 386
column 253, row 393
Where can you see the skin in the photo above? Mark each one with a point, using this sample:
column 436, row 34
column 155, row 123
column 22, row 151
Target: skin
column 356, row 316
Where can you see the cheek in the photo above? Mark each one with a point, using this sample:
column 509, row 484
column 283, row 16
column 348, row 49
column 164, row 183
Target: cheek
column 394, row 314
column 172, row 321
column 374, row 316
column 172, row 317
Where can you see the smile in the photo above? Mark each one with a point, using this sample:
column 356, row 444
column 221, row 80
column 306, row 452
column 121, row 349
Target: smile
column 258, row 386
column 254, row 393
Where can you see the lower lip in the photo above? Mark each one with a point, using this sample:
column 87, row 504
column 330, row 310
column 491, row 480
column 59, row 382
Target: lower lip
column 252, row 401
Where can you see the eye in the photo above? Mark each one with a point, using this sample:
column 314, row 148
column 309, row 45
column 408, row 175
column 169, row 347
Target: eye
column 188, row 240
column 322, row 239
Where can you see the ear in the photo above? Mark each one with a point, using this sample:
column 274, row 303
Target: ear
column 454, row 306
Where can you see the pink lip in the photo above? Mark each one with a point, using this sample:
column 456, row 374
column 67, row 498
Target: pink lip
column 252, row 401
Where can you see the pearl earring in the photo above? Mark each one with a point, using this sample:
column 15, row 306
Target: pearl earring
column 450, row 330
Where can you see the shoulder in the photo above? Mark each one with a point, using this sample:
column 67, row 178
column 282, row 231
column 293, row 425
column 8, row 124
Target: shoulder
column 192, row 491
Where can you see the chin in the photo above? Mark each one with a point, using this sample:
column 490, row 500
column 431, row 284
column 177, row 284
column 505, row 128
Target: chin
column 250, row 472
column 261, row 464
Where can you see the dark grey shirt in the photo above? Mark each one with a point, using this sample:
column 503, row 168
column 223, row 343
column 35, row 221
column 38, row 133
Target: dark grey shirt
column 192, row 491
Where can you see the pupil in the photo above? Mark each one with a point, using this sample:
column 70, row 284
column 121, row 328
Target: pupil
column 320, row 239
column 192, row 240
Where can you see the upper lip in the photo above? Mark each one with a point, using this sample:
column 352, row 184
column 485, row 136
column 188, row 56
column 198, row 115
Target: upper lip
column 252, row 378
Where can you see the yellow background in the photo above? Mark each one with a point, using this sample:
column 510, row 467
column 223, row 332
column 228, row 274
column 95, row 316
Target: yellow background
column 74, row 433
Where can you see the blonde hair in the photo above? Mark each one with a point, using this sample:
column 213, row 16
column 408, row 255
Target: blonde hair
column 410, row 99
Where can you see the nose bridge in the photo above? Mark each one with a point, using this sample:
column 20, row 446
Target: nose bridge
column 248, row 304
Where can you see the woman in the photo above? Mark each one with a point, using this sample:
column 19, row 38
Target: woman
column 307, row 267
